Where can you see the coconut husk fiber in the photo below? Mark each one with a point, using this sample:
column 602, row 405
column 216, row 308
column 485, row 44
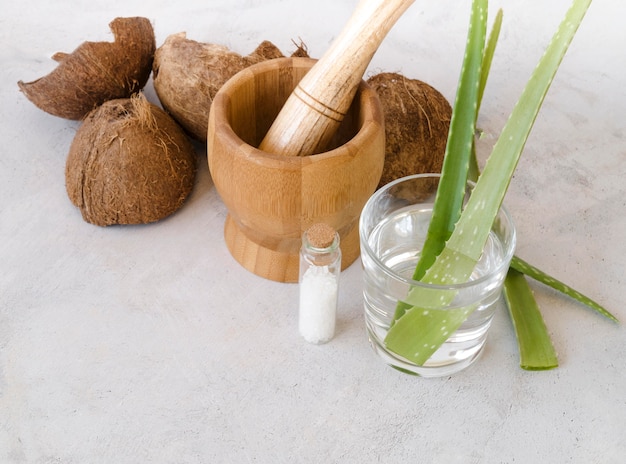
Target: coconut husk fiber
column 129, row 163
column 417, row 120
column 96, row 71
column 187, row 75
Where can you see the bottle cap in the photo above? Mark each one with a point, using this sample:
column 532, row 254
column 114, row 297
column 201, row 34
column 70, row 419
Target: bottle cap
column 320, row 235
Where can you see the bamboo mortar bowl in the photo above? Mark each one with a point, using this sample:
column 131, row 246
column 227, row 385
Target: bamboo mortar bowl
column 272, row 199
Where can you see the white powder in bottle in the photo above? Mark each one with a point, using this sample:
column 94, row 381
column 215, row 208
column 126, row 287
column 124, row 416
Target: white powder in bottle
column 318, row 304
column 320, row 266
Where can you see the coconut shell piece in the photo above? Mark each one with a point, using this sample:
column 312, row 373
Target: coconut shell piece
column 417, row 119
column 187, row 75
column 129, row 163
column 96, row 71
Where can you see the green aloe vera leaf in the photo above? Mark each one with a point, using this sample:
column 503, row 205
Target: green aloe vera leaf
column 490, row 49
column 517, row 297
column 429, row 322
column 474, row 171
column 536, row 351
column 531, row 271
column 451, row 190
column 459, row 148
column 517, row 263
column 416, row 336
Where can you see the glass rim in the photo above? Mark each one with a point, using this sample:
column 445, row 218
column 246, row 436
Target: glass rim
column 365, row 247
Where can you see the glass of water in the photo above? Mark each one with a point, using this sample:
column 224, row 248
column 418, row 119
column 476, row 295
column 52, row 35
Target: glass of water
column 393, row 227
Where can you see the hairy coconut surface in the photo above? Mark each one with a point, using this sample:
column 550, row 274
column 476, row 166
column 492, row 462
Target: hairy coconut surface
column 129, row 163
column 187, row 75
column 417, row 119
column 96, row 71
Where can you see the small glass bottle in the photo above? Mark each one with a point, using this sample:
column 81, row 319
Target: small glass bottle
column 320, row 266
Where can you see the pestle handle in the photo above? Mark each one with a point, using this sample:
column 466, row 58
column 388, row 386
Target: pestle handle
column 314, row 110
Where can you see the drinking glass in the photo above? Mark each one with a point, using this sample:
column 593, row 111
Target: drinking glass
column 393, row 227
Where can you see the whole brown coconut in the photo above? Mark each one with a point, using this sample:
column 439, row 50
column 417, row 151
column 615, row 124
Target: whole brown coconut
column 129, row 163
column 187, row 75
column 96, row 71
column 417, row 119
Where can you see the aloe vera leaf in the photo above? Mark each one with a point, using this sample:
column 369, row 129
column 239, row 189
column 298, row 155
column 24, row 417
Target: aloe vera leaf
column 531, row 271
column 490, row 48
column 536, row 351
column 525, row 312
column 451, row 190
column 470, row 96
column 418, row 333
column 459, row 149
column 474, row 171
column 517, row 263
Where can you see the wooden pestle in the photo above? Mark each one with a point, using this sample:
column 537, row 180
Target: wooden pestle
column 314, row 110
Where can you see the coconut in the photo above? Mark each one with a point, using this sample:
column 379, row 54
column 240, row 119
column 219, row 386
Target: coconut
column 417, row 120
column 187, row 75
column 129, row 163
column 96, row 71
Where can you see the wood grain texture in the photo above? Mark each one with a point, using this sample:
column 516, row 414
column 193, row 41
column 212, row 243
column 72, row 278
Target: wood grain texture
column 272, row 199
column 314, row 111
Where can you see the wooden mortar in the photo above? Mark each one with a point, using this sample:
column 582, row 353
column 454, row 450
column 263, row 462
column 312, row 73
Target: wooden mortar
column 271, row 198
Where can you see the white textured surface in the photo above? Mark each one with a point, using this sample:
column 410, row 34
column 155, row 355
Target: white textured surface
column 150, row 344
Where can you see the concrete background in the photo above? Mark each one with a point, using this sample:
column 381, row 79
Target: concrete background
column 150, row 344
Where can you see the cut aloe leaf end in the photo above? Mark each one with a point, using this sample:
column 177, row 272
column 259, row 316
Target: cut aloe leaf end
column 536, row 351
column 422, row 332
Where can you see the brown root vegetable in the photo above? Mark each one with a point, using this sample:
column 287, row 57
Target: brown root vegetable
column 417, row 119
column 129, row 163
column 96, row 71
column 187, row 75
